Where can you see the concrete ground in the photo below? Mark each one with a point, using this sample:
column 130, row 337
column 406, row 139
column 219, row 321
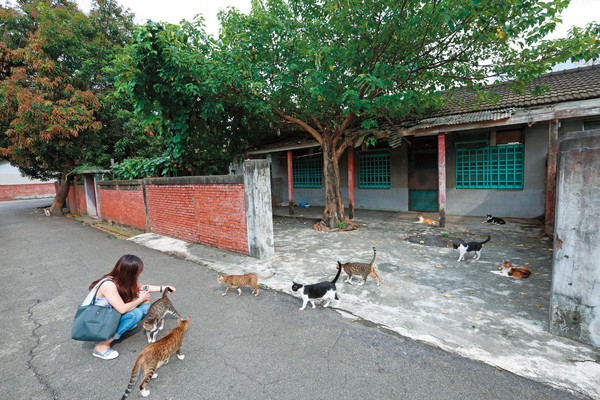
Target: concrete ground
column 237, row 348
column 425, row 294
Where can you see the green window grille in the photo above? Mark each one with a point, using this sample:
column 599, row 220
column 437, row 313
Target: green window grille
column 308, row 172
column 497, row 167
column 374, row 170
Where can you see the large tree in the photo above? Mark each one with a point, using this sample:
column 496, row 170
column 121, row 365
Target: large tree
column 170, row 72
column 52, row 84
column 340, row 69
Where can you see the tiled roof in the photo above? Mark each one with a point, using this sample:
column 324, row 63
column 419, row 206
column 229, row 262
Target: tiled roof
column 568, row 85
column 477, row 116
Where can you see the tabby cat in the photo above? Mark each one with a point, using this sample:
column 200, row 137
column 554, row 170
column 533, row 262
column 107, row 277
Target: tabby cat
column 507, row 269
column 360, row 269
column 157, row 354
column 425, row 220
column 155, row 318
column 237, row 281
column 322, row 290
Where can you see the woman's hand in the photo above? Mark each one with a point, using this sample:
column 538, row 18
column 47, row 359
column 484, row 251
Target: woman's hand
column 144, row 296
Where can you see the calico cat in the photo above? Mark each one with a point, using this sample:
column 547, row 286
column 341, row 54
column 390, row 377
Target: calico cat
column 494, row 220
column 361, row 269
column 156, row 315
column 237, row 281
column 322, row 290
column 464, row 248
column 157, row 354
column 507, row 269
column 425, row 220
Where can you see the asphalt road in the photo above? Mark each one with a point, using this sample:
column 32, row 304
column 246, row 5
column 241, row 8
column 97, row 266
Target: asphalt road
column 236, row 348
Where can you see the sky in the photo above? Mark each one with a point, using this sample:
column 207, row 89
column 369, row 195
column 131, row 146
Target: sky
column 578, row 13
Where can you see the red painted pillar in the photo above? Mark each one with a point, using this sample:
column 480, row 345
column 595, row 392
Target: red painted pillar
column 442, row 178
column 351, row 182
column 290, row 167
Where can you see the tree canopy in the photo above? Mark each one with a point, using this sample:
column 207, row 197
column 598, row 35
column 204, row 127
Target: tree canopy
column 173, row 74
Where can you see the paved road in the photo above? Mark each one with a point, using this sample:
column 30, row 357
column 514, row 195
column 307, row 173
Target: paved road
column 237, row 347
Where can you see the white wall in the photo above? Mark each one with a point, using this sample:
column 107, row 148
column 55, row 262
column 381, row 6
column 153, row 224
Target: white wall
column 10, row 175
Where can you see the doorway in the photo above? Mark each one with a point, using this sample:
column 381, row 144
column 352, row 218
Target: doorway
column 423, row 174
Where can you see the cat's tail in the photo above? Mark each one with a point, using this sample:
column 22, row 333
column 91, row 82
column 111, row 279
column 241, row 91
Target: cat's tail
column 339, row 268
column 134, row 376
column 167, row 289
column 374, row 256
column 486, row 240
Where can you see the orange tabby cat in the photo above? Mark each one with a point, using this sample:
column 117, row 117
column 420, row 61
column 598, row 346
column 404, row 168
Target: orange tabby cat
column 425, row 220
column 507, row 269
column 237, row 281
column 157, row 354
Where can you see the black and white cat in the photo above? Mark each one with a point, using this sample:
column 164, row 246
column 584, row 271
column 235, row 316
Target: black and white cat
column 465, row 247
column 494, row 220
column 317, row 291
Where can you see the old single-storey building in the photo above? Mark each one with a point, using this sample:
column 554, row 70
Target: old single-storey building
column 468, row 158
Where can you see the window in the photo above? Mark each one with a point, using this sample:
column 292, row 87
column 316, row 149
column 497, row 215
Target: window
column 591, row 125
column 491, row 167
column 374, row 170
column 308, row 172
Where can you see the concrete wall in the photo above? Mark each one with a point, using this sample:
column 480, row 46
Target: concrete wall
column 575, row 300
column 259, row 214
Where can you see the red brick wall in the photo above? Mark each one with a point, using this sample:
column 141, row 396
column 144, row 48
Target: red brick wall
column 123, row 203
column 210, row 214
column 27, row 191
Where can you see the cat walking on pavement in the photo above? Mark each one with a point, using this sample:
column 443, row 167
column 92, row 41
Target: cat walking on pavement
column 466, row 247
column 317, row 291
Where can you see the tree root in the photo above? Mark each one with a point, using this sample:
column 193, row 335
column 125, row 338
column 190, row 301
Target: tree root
column 321, row 226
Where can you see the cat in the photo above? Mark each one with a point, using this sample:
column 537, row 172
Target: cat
column 425, row 220
column 157, row 354
column 507, row 269
column 362, row 269
column 464, row 248
column 237, row 281
column 494, row 220
column 156, row 315
column 322, row 290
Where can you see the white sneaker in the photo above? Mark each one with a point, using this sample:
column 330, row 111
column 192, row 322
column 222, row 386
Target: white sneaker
column 107, row 354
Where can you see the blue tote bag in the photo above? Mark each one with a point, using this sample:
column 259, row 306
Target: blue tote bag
column 94, row 323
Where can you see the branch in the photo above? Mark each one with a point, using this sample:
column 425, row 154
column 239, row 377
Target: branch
column 293, row 120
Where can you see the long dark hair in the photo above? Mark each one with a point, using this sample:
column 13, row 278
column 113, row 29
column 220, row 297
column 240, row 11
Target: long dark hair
column 125, row 275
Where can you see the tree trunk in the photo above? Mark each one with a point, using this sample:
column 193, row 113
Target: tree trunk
column 61, row 196
column 334, row 203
